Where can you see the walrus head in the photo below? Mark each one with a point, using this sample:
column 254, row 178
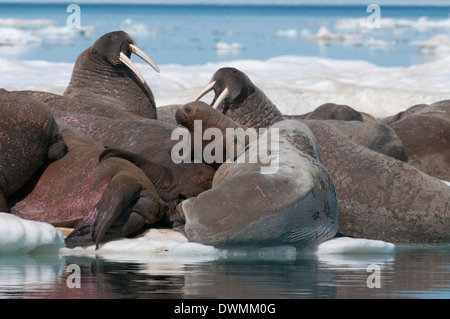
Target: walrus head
column 57, row 148
column 239, row 99
column 229, row 85
column 116, row 47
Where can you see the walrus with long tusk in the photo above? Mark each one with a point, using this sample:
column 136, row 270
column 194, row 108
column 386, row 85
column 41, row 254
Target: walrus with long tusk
column 106, row 82
column 239, row 99
column 104, row 73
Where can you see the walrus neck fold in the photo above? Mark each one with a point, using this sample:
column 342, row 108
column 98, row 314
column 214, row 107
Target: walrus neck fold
column 97, row 81
column 255, row 111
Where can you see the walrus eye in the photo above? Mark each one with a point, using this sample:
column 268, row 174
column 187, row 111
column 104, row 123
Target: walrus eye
column 187, row 109
column 56, row 138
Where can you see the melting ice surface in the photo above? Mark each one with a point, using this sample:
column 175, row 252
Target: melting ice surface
column 20, row 236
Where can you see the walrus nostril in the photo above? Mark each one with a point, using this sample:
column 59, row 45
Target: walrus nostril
column 57, row 151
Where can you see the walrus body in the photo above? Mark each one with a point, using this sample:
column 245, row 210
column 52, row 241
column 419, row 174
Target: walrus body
column 426, row 137
column 332, row 111
column 293, row 203
column 375, row 136
column 101, row 200
column 148, row 144
column 29, row 139
column 380, row 197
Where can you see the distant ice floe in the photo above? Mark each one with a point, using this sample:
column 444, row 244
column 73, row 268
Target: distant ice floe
column 12, row 22
column 289, row 33
column 438, row 45
column 324, row 36
column 12, row 36
column 20, row 236
column 226, row 47
column 422, row 23
column 136, row 29
column 19, row 32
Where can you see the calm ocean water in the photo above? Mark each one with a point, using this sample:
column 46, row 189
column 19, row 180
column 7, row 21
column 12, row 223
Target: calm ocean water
column 197, row 34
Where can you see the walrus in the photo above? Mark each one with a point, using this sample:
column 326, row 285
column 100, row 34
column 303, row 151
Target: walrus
column 426, row 137
column 29, row 139
column 102, row 200
column 106, row 82
column 193, row 112
column 237, row 97
column 147, row 143
column 381, row 197
column 375, row 136
column 331, row 111
column 104, row 74
column 293, row 205
column 403, row 114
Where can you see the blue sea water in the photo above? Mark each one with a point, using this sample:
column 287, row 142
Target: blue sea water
column 190, row 34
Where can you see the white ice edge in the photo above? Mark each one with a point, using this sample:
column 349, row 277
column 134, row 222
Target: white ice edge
column 296, row 84
column 20, row 236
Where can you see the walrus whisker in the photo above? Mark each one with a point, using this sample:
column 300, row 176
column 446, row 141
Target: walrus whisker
column 126, row 60
column 144, row 56
column 221, row 97
column 205, row 91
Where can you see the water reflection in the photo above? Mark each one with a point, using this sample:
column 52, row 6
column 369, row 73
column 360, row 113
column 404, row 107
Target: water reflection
column 414, row 272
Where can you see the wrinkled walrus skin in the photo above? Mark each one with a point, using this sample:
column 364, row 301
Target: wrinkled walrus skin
column 296, row 205
column 425, row 134
column 29, row 139
column 101, row 200
column 380, row 197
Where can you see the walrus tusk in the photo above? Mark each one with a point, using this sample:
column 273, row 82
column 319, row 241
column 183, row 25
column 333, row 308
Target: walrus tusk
column 221, row 97
column 126, row 60
column 144, row 56
column 207, row 89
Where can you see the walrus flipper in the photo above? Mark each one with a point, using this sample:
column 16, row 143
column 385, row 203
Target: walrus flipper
column 113, row 208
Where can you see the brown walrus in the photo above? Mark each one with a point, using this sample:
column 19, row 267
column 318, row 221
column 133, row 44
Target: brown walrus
column 290, row 203
column 238, row 98
column 104, row 74
column 29, row 139
column 375, row 136
column 426, row 137
column 381, row 197
column 147, row 143
column 331, row 111
column 105, row 82
column 102, row 200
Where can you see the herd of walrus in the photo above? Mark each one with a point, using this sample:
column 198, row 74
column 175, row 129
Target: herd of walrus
column 98, row 159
